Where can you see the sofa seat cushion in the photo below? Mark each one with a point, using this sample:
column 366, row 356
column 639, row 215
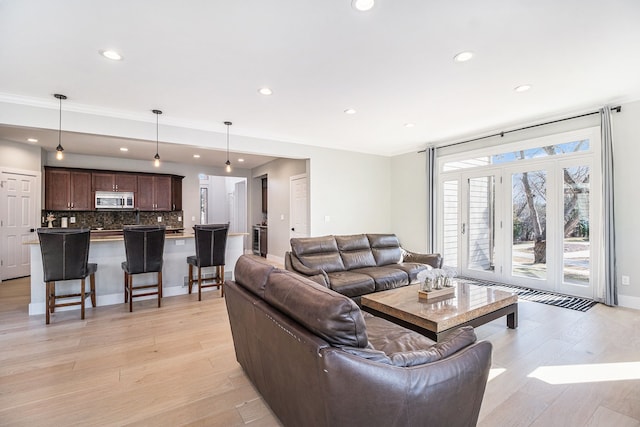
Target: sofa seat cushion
column 332, row 316
column 385, row 277
column 412, row 269
column 351, row 284
column 391, row 338
column 395, row 345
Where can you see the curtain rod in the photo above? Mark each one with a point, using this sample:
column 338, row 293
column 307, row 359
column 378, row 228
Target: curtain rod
column 617, row 109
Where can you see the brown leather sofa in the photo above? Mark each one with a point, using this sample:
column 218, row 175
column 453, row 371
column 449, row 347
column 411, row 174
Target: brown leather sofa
column 358, row 264
column 318, row 360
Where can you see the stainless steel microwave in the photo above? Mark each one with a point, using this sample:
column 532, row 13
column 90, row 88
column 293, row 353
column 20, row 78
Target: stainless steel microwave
column 114, row 200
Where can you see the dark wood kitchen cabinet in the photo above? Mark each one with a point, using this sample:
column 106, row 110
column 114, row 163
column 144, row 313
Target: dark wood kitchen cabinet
column 154, row 193
column 176, row 192
column 113, row 181
column 67, row 189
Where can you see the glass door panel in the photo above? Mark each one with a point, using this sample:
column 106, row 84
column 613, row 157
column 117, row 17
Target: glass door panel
column 529, row 207
column 480, row 225
column 576, row 264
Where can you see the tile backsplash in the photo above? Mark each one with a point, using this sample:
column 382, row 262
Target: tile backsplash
column 114, row 220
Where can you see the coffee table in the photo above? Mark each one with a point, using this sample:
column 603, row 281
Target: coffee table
column 471, row 305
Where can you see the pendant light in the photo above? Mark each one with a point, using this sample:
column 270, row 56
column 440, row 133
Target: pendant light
column 156, row 161
column 59, row 148
column 228, row 163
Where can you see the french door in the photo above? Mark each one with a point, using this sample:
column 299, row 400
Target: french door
column 529, row 221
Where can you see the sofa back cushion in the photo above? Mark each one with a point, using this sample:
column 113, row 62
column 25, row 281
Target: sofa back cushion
column 318, row 253
column 385, row 248
column 328, row 314
column 355, row 251
column 252, row 274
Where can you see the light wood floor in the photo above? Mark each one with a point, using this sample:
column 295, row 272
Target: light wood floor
column 176, row 366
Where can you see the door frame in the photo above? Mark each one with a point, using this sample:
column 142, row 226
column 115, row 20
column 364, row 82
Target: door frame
column 474, row 163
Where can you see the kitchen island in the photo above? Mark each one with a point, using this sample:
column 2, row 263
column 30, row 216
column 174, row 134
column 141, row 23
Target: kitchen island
column 107, row 250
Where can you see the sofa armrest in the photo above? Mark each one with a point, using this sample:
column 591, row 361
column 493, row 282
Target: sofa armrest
column 434, row 260
column 318, row 275
column 445, row 392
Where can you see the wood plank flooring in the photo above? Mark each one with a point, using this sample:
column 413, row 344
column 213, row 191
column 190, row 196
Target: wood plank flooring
column 175, row 365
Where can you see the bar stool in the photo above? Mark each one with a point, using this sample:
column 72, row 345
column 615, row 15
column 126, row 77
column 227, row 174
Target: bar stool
column 211, row 244
column 144, row 247
column 65, row 255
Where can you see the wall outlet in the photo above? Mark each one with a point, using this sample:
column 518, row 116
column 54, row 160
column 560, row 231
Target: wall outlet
column 159, row 219
column 327, row 218
column 625, row 280
column 193, row 218
column 281, row 217
column 72, row 220
column 179, row 218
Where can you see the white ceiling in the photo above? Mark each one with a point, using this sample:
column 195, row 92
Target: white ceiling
column 203, row 61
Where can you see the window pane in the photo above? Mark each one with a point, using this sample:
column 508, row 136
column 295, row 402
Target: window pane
column 576, row 253
column 529, row 204
column 514, row 156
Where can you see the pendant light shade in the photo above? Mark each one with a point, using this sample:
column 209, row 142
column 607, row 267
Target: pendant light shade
column 228, row 163
column 156, row 161
column 59, row 148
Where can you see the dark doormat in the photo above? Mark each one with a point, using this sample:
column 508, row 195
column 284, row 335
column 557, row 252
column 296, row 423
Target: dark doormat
column 534, row 295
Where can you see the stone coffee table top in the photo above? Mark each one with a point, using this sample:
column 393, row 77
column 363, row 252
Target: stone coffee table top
column 471, row 305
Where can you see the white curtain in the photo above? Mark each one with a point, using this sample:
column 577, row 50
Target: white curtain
column 431, row 199
column 610, row 275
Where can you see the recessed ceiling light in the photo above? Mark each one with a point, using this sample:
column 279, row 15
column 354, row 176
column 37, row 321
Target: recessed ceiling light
column 111, row 54
column 265, row 91
column 32, row 140
column 409, row 125
column 241, row 160
column 349, row 111
column 463, row 56
column 196, row 156
column 522, row 88
column 124, row 149
column 362, row 5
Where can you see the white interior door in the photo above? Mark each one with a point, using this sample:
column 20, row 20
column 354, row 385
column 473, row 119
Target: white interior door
column 18, row 223
column 299, row 206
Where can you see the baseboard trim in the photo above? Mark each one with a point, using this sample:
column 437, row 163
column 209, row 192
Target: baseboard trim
column 629, row 301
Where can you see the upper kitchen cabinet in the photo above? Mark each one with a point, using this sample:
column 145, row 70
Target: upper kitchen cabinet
column 114, row 181
column 155, row 193
column 176, row 192
column 67, row 189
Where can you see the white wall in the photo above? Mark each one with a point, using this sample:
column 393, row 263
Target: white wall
column 409, row 189
column 278, row 173
column 20, row 156
column 626, row 140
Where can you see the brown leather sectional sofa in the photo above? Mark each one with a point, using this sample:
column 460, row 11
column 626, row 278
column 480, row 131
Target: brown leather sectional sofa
column 358, row 264
column 317, row 360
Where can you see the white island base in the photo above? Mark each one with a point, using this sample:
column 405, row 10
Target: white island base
column 108, row 253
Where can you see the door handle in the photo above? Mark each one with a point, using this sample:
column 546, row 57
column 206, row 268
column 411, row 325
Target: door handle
column 31, row 230
column 293, row 229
